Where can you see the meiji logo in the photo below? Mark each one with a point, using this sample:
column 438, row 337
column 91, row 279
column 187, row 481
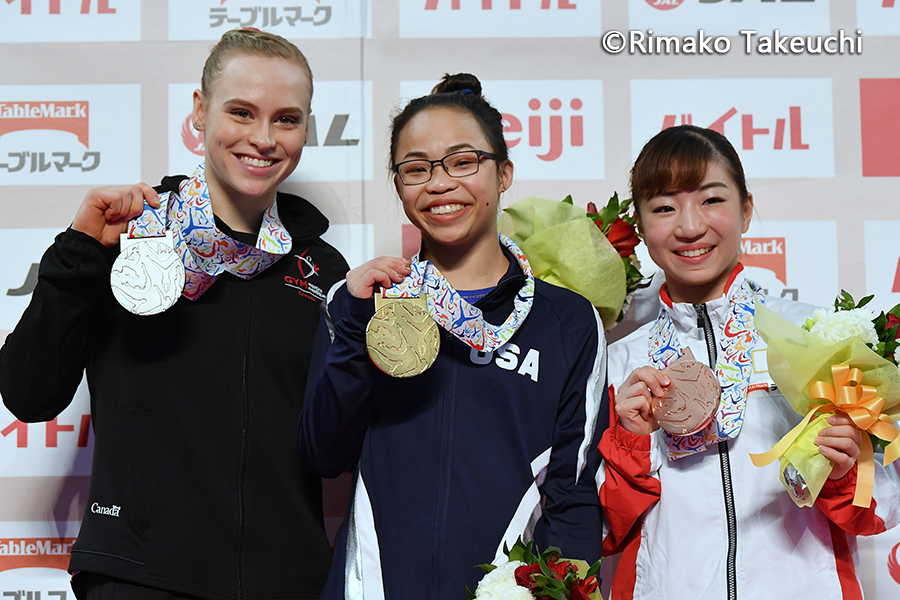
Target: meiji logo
column 508, row 359
column 488, row 4
column 766, row 253
column 665, row 4
column 893, row 564
column 110, row 511
column 18, row 553
column 555, row 128
column 54, row 7
column 749, row 131
column 307, row 267
column 70, row 116
column 194, row 141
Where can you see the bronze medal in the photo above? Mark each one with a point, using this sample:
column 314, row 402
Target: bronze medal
column 692, row 399
column 402, row 338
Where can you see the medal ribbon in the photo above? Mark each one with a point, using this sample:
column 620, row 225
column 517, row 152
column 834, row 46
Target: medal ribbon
column 205, row 251
column 457, row 316
column 734, row 366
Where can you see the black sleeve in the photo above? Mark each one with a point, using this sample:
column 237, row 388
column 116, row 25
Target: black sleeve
column 42, row 361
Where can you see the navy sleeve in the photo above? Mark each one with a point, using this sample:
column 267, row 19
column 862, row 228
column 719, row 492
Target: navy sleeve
column 571, row 513
column 335, row 414
column 42, row 361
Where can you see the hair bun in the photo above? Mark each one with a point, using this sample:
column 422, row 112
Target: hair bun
column 461, row 82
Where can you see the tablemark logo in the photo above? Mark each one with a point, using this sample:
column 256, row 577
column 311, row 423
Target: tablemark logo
column 749, row 131
column 766, row 253
column 19, row 553
column 68, row 116
column 54, row 7
column 489, row 5
column 534, row 131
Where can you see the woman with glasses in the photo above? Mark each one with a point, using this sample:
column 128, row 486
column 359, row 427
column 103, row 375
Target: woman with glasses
column 463, row 393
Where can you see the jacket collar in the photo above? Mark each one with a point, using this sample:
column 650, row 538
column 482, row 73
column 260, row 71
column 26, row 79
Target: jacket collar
column 684, row 314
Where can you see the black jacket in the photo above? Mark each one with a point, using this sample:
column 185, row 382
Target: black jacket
column 194, row 413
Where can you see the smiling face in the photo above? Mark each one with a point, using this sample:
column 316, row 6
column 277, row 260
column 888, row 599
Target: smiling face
column 694, row 236
column 254, row 122
column 453, row 212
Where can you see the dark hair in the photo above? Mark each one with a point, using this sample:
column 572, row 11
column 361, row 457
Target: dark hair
column 461, row 92
column 249, row 41
column 677, row 158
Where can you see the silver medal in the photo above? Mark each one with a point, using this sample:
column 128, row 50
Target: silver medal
column 148, row 275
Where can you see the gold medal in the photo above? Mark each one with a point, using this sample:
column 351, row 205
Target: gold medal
column 402, row 338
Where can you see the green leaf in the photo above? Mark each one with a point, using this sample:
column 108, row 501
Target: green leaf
column 567, row 199
column 469, row 594
column 487, row 568
column 595, row 568
column 864, row 301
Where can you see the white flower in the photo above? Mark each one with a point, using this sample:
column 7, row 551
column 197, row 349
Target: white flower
column 837, row 326
column 500, row 584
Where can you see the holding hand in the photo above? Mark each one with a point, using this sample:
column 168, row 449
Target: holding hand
column 634, row 396
column 840, row 444
column 105, row 212
column 384, row 271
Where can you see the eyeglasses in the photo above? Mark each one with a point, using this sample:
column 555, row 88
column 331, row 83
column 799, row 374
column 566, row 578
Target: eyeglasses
column 457, row 164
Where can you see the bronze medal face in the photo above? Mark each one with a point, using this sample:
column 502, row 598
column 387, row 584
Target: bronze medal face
column 692, row 399
column 402, row 338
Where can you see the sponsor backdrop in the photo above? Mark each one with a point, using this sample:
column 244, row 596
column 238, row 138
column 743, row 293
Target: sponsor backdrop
column 97, row 92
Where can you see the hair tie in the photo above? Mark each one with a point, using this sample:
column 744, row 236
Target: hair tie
column 468, row 92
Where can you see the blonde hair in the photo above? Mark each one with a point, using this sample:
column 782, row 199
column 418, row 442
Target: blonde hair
column 250, row 41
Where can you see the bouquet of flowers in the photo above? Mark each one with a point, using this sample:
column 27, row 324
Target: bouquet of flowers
column 588, row 252
column 840, row 361
column 529, row 575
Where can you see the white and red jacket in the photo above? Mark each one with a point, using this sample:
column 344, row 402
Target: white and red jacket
column 724, row 528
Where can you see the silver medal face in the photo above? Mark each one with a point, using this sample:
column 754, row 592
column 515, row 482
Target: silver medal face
column 148, row 275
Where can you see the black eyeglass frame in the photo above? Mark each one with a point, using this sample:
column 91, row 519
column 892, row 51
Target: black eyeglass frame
column 480, row 153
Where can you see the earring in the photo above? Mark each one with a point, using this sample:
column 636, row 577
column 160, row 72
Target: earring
column 197, row 127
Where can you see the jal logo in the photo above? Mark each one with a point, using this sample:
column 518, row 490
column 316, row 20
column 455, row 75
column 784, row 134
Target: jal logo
column 64, row 115
column 765, row 253
column 793, row 122
column 19, row 553
column 55, row 7
column 665, row 4
column 545, row 125
column 893, row 564
column 193, row 139
column 489, row 4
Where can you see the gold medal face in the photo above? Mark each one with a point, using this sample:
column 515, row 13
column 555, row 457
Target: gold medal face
column 402, row 338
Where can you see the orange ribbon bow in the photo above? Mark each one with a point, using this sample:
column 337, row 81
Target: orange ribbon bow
column 863, row 405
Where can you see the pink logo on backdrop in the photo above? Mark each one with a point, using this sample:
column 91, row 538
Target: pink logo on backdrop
column 193, row 139
column 752, row 132
column 62, row 115
column 893, row 565
column 544, row 122
column 54, row 7
column 489, row 4
column 879, row 109
column 888, row 4
column 665, row 4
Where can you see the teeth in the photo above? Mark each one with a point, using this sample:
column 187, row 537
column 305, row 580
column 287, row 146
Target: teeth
column 694, row 253
column 445, row 209
column 255, row 162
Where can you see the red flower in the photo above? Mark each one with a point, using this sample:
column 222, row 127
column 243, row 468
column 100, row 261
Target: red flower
column 524, row 573
column 891, row 322
column 584, row 588
column 592, row 208
column 623, row 237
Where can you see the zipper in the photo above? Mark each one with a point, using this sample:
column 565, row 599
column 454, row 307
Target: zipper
column 245, row 425
column 705, row 324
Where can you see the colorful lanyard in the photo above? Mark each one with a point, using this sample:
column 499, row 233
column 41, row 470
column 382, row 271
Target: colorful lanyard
column 734, row 366
column 458, row 316
column 205, row 251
